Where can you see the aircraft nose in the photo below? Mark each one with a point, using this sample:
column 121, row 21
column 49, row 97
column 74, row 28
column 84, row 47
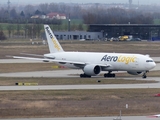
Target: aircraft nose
column 153, row 65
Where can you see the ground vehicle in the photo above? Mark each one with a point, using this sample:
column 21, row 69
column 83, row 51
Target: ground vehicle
column 125, row 38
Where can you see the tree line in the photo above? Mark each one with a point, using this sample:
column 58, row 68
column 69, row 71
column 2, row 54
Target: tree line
column 30, row 31
column 117, row 16
column 89, row 15
column 24, row 16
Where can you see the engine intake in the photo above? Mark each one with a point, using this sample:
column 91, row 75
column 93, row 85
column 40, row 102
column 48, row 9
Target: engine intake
column 92, row 70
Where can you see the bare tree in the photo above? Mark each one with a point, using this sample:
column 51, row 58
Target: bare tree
column 2, row 35
column 44, row 8
column 89, row 18
column 18, row 30
column 37, row 29
column 116, row 16
column 53, row 7
column 13, row 14
column 10, row 30
column 29, row 10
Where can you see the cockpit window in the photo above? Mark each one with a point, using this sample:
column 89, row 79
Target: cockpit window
column 149, row 60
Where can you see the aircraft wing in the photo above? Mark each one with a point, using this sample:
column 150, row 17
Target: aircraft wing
column 155, row 116
column 80, row 64
column 48, row 60
column 31, row 58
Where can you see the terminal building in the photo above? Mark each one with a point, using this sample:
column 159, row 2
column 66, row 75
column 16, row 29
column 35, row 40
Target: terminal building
column 142, row 31
column 78, row 35
column 105, row 31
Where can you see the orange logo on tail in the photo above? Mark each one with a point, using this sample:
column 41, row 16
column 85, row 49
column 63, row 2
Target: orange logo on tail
column 56, row 44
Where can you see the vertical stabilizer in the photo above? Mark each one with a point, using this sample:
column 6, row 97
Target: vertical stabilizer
column 53, row 43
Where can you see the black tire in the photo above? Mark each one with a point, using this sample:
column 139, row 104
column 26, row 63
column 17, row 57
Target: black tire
column 105, row 75
column 89, row 76
column 84, row 76
column 81, row 75
column 109, row 75
column 144, row 76
column 113, row 75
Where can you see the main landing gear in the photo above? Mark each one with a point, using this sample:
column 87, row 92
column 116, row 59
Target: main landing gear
column 109, row 75
column 85, row 76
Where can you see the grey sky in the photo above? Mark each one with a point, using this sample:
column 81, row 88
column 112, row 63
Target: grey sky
column 80, row 1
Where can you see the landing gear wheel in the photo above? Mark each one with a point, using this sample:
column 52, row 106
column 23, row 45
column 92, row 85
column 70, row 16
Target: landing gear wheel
column 81, row 75
column 84, row 76
column 113, row 75
column 144, row 76
column 109, row 75
column 105, row 75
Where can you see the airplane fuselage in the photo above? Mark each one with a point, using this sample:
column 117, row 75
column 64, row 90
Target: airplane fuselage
column 117, row 61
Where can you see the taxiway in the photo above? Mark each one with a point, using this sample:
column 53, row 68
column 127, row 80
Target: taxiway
column 91, row 118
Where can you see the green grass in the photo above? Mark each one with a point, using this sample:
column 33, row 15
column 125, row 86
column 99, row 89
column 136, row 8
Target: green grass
column 157, row 21
column 64, row 26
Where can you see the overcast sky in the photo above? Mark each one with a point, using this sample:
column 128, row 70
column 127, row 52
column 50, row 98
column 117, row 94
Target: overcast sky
column 80, row 1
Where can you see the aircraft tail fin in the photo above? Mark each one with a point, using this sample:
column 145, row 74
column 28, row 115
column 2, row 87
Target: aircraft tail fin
column 53, row 43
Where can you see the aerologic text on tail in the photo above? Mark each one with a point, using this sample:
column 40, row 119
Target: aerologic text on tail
column 53, row 43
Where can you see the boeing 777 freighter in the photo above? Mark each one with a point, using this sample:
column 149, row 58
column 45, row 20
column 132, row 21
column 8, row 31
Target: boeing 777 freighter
column 92, row 63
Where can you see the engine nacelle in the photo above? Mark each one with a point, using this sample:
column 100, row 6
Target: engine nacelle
column 134, row 72
column 92, row 70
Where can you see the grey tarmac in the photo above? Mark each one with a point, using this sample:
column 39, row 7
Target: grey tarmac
column 78, row 87
column 90, row 118
column 55, row 73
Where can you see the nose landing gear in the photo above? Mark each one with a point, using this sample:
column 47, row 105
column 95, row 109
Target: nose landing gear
column 144, row 74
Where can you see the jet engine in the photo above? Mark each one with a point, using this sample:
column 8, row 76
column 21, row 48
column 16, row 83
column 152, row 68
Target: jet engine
column 92, row 70
column 134, row 72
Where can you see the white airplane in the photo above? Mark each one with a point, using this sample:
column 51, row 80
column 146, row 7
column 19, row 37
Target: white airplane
column 92, row 63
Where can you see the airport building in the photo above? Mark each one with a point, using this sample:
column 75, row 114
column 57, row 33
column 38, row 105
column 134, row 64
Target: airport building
column 78, row 35
column 106, row 31
column 142, row 31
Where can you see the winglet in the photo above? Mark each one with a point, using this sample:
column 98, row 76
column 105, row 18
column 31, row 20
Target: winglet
column 53, row 43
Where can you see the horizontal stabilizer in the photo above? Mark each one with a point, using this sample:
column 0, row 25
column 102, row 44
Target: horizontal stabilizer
column 32, row 54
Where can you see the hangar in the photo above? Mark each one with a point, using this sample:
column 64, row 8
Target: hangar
column 143, row 31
